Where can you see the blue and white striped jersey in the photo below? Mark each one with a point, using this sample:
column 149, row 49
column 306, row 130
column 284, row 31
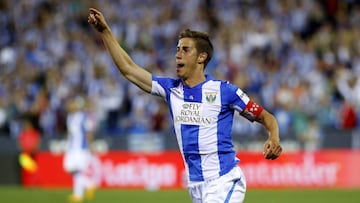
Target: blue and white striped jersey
column 78, row 124
column 203, row 117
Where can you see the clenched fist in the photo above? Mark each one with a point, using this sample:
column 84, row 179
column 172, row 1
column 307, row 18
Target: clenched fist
column 272, row 149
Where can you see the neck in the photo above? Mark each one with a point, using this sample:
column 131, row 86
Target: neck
column 193, row 81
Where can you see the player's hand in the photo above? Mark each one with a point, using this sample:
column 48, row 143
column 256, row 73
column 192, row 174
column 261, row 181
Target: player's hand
column 97, row 20
column 272, row 149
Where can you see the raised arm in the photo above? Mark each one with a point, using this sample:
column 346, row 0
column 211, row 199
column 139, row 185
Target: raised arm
column 127, row 67
column 272, row 147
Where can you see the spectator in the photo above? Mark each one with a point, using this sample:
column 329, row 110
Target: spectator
column 294, row 45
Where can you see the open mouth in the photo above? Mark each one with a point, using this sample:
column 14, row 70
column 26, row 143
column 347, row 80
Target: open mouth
column 180, row 65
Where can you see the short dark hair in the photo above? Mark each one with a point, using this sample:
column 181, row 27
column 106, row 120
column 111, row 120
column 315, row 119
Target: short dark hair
column 202, row 42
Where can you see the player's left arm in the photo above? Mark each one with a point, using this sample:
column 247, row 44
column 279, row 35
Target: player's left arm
column 255, row 112
column 272, row 147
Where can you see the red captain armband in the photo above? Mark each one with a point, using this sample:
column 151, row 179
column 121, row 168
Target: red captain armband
column 251, row 111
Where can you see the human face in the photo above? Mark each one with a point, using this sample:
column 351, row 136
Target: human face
column 186, row 58
column 71, row 105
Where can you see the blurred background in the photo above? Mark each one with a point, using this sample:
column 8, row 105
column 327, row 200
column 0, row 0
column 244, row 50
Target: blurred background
column 300, row 59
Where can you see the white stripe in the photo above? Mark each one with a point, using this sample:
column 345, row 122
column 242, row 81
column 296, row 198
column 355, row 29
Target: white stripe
column 208, row 142
column 176, row 93
column 243, row 96
column 157, row 89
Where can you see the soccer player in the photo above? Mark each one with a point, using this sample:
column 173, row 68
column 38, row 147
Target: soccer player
column 77, row 158
column 202, row 109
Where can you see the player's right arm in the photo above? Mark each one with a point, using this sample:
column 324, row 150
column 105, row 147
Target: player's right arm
column 128, row 68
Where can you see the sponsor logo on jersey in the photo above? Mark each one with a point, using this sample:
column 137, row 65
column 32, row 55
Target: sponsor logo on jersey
column 191, row 113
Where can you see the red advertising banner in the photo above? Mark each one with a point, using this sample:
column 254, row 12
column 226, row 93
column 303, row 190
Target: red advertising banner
column 326, row 169
column 119, row 169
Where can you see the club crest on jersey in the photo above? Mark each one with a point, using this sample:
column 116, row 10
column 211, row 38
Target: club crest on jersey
column 210, row 96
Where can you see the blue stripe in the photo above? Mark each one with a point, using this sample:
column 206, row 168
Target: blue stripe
column 190, row 139
column 191, row 151
column 231, row 191
column 84, row 143
column 226, row 153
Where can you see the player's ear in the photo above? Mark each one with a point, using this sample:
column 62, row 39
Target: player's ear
column 202, row 57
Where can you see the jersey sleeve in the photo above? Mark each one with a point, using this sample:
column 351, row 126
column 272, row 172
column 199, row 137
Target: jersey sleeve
column 158, row 87
column 161, row 86
column 241, row 102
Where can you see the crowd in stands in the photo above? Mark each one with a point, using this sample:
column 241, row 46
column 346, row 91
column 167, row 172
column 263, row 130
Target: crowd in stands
column 300, row 59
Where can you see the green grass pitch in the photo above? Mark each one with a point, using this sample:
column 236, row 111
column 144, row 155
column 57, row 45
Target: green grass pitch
column 36, row 195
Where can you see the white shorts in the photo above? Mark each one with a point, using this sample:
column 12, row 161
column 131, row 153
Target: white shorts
column 76, row 161
column 229, row 188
